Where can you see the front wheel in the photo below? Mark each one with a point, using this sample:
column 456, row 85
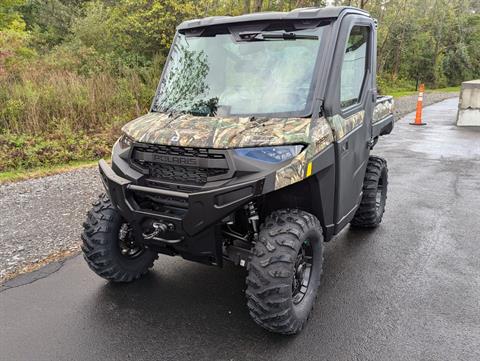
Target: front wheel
column 284, row 271
column 108, row 245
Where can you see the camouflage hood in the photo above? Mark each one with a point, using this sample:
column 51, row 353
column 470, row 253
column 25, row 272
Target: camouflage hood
column 215, row 132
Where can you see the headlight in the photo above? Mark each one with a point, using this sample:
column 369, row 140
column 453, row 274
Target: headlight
column 125, row 141
column 271, row 154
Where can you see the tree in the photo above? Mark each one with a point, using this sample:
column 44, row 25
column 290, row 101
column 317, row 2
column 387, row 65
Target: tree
column 10, row 16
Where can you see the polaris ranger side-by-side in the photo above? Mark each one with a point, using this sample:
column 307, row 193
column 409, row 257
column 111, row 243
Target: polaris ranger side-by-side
column 256, row 150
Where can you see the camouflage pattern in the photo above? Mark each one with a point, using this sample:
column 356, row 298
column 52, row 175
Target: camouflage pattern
column 292, row 173
column 320, row 137
column 222, row 133
column 342, row 126
column 383, row 108
column 214, row 132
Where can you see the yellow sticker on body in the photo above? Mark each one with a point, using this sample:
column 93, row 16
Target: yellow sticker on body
column 309, row 169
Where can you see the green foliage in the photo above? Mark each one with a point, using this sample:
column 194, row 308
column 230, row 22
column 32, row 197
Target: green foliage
column 10, row 17
column 49, row 21
column 386, row 85
column 37, row 100
column 23, row 151
column 94, row 30
column 432, row 41
column 73, row 71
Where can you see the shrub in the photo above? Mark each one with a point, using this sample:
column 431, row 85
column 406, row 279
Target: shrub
column 19, row 151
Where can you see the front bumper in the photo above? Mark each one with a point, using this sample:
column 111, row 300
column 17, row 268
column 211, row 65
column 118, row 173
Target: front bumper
column 195, row 213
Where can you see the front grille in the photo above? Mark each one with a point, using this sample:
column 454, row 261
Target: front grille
column 183, row 174
column 181, row 151
column 207, row 164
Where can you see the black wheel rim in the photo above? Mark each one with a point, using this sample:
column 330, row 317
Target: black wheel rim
column 128, row 248
column 302, row 272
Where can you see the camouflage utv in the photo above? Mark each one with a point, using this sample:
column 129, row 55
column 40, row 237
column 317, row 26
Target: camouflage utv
column 256, row 150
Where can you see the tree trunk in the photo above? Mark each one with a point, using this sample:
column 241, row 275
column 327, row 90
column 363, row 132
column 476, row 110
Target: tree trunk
column 397, row 58
column 381, row 53
column 267, row 5
column 246, row 6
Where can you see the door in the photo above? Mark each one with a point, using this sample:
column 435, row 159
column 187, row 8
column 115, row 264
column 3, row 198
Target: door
column 349, row 110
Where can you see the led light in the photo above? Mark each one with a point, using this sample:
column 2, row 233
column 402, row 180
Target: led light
column 125, row 141
column 271, row 154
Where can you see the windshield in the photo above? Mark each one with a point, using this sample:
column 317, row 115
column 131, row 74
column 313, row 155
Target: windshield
column 250, row 73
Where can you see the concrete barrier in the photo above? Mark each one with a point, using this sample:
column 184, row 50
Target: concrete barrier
column 469, row 105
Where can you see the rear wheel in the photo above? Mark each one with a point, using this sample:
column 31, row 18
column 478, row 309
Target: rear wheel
column 284, row 271
column 372, row 206
column 108, row 245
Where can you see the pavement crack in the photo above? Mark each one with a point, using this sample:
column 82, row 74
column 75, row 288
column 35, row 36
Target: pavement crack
column 29, row 278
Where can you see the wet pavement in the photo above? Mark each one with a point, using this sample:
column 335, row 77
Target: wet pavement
column 409, row 290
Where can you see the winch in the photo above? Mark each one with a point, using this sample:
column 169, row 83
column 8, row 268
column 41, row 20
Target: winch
column 158, row 230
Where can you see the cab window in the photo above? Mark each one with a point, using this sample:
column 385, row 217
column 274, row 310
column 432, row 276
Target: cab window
column 354, row 66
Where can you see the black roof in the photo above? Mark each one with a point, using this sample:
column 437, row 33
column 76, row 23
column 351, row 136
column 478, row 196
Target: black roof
column 297, row 14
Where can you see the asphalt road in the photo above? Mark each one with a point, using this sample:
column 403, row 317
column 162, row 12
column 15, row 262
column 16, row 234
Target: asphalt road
column 409, row 290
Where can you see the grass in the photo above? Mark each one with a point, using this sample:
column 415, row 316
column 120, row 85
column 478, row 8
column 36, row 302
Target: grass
column 402, row 93
column 63, row 146
column 22, row 174
column 450, row 89
column 39, row 100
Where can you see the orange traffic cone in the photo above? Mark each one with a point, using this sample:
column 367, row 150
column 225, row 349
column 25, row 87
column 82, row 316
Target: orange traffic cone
column 418, row 114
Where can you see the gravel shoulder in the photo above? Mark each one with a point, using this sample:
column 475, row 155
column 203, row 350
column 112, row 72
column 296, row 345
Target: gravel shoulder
column 40, row 219
column 407, row 104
